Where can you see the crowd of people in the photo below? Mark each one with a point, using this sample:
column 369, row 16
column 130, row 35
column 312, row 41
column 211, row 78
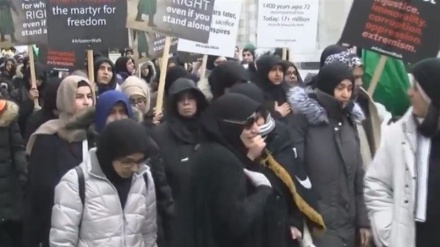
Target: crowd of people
column 247, row 154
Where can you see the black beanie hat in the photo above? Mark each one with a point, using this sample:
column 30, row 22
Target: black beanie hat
column 119, row 139
column 331, row 75
column 427, row 74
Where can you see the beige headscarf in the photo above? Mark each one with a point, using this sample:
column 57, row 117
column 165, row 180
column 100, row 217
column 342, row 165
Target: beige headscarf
column 66, row 95
column 135, row 86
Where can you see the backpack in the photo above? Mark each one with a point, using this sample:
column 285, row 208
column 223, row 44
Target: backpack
column 82, row 187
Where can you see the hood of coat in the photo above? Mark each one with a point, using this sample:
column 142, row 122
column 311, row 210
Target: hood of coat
column 179, row 86
column 10, row 114
column 303, row 103
column 76, row 127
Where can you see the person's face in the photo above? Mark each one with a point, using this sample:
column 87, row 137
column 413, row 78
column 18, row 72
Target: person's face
column 343, row 91
column 248, row 57
column 276, row 74
column 83, row 98
column 145, row 71
column 358, row 73
column 105, row 74
column 291, row 77
column 186, row 104
column 118, row 112
column 418, row 103
column 8, row 66
column 140, row 102
column 250, row 130
column 125, row 167
column 130, row 66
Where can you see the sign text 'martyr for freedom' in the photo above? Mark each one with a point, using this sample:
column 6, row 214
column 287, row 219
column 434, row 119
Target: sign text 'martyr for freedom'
column 199, row 4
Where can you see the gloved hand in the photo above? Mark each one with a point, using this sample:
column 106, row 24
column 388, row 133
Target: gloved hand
column 257, row 178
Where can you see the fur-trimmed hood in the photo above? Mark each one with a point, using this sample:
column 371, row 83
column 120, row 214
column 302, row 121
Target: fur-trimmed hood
column 302, row 103
column 10, row 114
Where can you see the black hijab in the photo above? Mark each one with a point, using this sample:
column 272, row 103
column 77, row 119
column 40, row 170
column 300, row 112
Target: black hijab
column 273, row 92
column 225, row 76
column 221, row 120
column 119, row 139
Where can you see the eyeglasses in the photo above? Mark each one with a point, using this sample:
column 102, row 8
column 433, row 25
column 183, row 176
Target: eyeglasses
column 130, row 162
column 138, row 101
column 247, row 124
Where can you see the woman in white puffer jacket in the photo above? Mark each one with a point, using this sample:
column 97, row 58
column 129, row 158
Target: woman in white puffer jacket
column 119, row 201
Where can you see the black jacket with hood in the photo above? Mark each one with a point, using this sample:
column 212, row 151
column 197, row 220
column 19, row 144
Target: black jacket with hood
column 13, row 166
column 328, row 142
column 178, row 136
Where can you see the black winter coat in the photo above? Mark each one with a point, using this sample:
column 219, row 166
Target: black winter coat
column 51, row 157
column 13, row 167
column 329, row 145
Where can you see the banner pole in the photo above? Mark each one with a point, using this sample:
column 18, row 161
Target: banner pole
column 376, row 75
column 33, row 74
column 163, row 74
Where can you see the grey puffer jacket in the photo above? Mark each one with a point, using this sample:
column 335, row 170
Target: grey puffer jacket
column 103, row 221
column 327, row 140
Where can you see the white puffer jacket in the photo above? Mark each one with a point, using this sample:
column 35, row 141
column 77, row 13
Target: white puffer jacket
column 103, row 221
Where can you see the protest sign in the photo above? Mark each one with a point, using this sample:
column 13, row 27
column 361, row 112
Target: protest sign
column 224, row 28
column 186, row 19
column 396, row 28
column 95, row 24
column 287, row 23
column 22, row 22
column 58, row 60
column 158, row 42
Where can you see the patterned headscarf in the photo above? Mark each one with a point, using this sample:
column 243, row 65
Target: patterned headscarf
column 345, row 57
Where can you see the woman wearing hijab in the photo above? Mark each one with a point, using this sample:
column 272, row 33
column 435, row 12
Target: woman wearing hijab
column 55, row 148
column 327, row 141
column 224, row 202
column 138, row 93
column 292, row 76
column 179, row 134
column 119, row 201
column 271, row 72
column 292, row 200
column 124, row 67
column 105, row 75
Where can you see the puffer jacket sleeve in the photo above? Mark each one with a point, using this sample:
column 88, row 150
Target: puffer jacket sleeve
column 66, row 212
column 149, row 230
column 378, row 193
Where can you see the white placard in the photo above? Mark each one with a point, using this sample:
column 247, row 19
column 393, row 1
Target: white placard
column 288, row 23
column 224, row 29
